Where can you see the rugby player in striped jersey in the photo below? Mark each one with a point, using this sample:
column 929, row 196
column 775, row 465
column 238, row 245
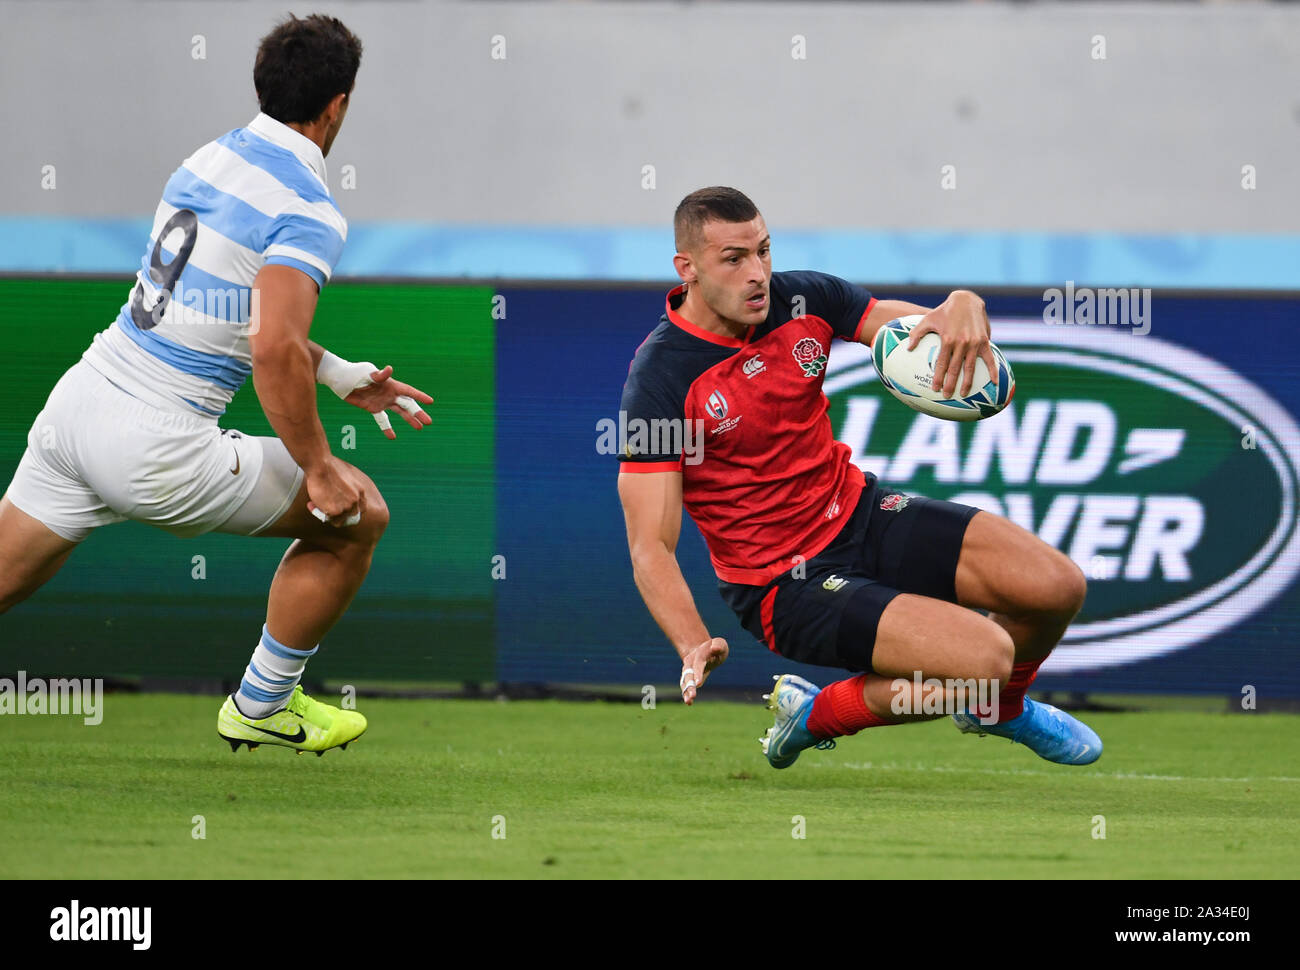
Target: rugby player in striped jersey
column 245, row 236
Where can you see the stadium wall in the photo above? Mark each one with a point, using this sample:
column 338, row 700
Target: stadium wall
column 1148, row 144
column 1166, row 463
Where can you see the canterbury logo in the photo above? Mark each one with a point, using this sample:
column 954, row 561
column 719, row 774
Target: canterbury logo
column 754, row 366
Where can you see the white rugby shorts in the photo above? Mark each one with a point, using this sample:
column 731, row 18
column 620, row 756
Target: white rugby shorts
column 96, row 455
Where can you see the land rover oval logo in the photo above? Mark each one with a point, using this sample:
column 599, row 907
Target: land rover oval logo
column 1170, row 479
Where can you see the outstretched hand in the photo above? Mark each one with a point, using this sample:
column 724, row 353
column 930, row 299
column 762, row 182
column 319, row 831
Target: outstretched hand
column 379, row 393
column 697, row 665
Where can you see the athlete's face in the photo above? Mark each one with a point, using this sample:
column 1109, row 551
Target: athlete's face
column 732, row 264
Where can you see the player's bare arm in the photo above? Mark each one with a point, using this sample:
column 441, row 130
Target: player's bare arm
column 882, row 311
column 284, row 375
column 652, row 510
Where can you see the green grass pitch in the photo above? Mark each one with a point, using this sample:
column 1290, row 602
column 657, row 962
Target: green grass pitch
column 604, row 790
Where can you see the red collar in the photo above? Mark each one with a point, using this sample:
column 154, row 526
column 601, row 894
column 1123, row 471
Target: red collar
column 714, row 338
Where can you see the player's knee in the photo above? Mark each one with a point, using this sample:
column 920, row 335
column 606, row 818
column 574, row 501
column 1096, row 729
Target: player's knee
column 995, row 652
column 381, row 515
column 1056, row 590
column 1064, row 586
column 375, row 521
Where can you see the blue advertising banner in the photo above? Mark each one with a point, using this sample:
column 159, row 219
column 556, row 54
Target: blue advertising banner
column 1152, row 438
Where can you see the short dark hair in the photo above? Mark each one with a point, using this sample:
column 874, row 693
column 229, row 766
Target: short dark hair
column 304, row 64
column 717, row 202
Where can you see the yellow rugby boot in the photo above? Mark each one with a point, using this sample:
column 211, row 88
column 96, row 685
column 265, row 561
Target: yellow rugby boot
column 305, row 725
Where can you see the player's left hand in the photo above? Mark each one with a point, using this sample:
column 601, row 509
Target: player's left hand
column 964, row 331
column 697, row 665
column 379, row 393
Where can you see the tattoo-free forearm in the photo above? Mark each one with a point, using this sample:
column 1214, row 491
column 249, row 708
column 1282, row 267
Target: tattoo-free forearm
column 883, row 312
column 664, row 590
column 284, row 376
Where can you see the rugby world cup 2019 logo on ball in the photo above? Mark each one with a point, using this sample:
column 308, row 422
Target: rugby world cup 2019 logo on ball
column 809, row 355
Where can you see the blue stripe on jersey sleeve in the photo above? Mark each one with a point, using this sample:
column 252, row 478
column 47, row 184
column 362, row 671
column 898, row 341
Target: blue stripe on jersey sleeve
column 308, row 268
column 223, row 371
column 283, row 165
column 308, row 234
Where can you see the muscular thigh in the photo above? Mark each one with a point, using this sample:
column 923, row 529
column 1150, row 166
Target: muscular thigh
column 913, row 612
column 30, row 553
column 921, row 635
column 1007, row 569
column 890, row 573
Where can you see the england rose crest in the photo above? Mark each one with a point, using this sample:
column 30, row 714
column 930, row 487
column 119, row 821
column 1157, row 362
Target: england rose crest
column 809, row 355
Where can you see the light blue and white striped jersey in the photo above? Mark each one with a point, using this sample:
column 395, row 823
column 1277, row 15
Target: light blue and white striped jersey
column 254, row 196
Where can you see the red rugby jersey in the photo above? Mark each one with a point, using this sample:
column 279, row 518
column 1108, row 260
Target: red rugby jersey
column 745, row 422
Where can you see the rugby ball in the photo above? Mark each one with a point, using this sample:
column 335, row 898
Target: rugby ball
column 908, row 374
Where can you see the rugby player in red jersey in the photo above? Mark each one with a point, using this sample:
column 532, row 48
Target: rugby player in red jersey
column 820, row 562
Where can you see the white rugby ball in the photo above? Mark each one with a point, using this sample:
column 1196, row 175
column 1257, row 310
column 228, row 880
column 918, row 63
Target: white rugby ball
column 908, row 374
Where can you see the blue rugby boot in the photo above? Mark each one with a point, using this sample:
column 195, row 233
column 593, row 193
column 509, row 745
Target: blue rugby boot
column 792, row 701
column 1047, row 731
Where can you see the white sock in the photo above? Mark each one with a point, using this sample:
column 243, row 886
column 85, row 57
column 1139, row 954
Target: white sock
column 271, row 675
